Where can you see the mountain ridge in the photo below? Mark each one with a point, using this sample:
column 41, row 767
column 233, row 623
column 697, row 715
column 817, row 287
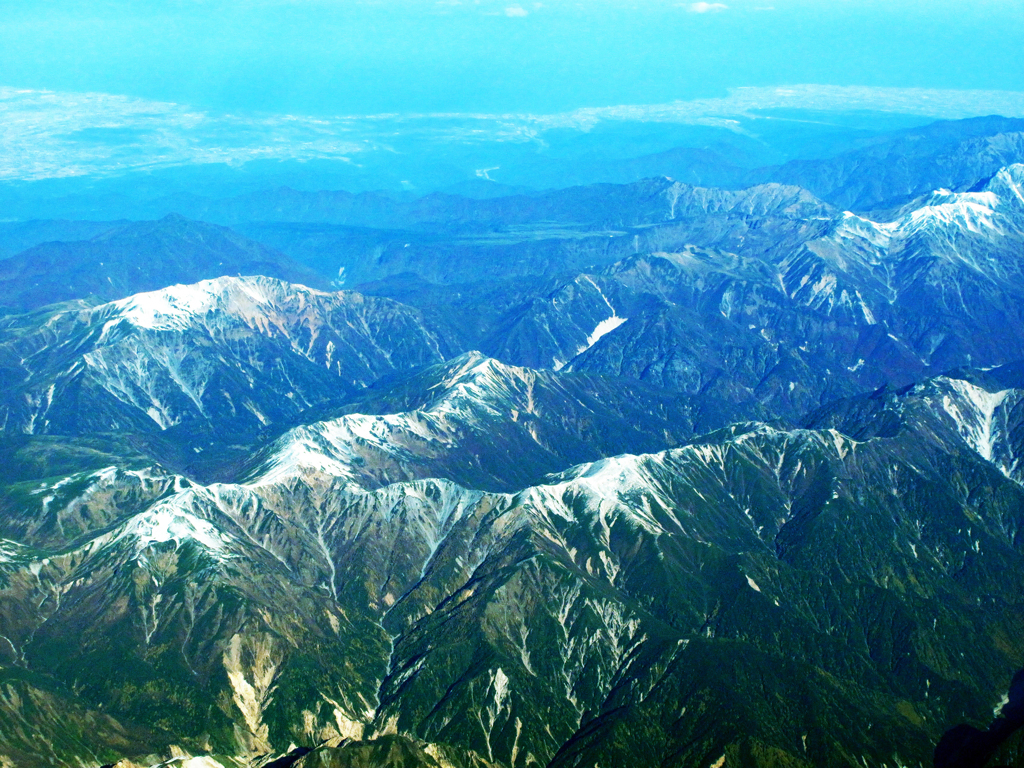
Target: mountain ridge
column 136, row 257
column 752, row 496
column 582, row 525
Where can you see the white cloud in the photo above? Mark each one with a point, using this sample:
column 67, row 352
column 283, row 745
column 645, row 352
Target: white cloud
column 46, row 134
column 516, row 10
column 706, row 7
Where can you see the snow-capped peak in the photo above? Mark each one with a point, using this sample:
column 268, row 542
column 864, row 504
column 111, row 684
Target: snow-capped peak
column 973, row 211
column 178, row 306
column 479, row 382
column 472, row 386
column 169, row 521
column 1009, row 183
column 852, row 226
column 995, row 210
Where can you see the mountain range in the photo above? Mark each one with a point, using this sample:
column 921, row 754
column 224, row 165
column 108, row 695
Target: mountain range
column 691, row 475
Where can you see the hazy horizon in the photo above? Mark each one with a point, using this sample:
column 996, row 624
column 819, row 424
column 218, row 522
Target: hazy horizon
column 321, row 57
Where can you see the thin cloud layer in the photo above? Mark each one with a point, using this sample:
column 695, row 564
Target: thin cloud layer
column 51, row 134
column 706, row 7
column 516, row 11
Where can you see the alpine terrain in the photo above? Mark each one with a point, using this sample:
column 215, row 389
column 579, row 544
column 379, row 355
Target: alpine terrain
column 609, row 475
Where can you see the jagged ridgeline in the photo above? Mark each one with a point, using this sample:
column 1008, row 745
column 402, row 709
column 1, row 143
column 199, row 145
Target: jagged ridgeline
column 680, row 477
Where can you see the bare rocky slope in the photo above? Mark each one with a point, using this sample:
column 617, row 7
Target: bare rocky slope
column 750, row 494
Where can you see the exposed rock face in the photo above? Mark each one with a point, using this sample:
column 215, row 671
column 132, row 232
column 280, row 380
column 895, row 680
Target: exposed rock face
column 226, row 355
column 559, row 623
column 784, row 304
column 414, row 554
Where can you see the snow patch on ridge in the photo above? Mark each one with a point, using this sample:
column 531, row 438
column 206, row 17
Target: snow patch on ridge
column 179, row 306
column 602, row 329
column 981, row 213
column 168, row 522
column 854, row 227
column 334, row 447
column 1012, row 178
column 973, row 211
column 483, row 383
column 173, row 308
column 303, row 450
column 975, row 412
column 477, row 388
column 617, row 486
column 997, row 710
column 10, row 550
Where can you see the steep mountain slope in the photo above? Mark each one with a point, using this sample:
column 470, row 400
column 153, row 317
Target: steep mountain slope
column 189, row 626
column 950, row 269
column 761, row 595
column 783, row 305
column 243, row 518
column 707, row 604
column 717, row 327
column 138, row 257
column 484, row 425
column 979, row 408
column 224, row 358
column 953, row 154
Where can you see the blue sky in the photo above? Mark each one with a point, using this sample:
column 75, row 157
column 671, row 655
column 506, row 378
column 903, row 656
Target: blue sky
column 353, row 56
